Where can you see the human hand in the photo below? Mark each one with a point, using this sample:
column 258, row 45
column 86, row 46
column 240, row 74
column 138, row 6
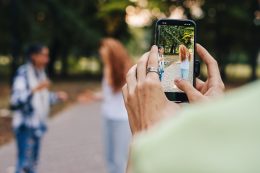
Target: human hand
column 63, row 96
column 89, row 96
column 144, row 97
column 43, row 85
column 213, row 86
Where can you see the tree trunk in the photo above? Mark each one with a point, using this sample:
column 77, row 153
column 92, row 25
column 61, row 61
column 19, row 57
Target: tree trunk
column 15, row 39
column 253, row 63
column 253, row 45
column 53, row 56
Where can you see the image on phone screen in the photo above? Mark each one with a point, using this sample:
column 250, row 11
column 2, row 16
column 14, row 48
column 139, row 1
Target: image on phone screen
column 175, row 54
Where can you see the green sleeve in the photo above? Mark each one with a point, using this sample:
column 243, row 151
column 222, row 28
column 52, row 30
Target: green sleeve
column 217, row 137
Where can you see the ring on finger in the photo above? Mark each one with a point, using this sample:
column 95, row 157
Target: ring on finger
column 152, row 69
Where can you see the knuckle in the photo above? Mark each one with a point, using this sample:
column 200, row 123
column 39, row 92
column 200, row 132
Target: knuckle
column 213, row 62
column 140, row 86
column 141, row 61
column 130, row 97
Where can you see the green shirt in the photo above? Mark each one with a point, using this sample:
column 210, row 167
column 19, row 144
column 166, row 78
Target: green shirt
column 222, row 136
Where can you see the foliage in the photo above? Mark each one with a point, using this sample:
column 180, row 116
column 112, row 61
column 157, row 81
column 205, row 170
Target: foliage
column 172, row 37
column 225, row 28
column 67, row 27
column 74, row 28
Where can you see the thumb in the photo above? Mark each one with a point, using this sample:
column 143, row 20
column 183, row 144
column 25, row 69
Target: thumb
column 192, row 94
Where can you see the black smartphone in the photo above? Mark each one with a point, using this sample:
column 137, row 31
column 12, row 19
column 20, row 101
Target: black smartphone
column 176, row 55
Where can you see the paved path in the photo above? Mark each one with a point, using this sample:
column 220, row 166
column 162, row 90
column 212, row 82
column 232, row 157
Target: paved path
column 170, row 73
column 73, row 143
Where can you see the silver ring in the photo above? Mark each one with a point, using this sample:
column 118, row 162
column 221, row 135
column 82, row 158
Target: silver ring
column 152, row 69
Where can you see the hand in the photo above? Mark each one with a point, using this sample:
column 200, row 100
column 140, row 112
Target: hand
column 63, row 96
column 144, row 97
column 41, row 86
column 89, row 96
column 213, row 86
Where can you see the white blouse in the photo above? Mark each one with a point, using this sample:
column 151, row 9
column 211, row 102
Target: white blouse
column 113, row 106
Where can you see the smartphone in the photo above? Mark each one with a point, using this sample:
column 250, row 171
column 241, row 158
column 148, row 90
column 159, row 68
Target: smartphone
column 176, row 55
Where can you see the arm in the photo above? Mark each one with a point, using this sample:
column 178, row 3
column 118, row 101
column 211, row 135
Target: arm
column 21, row 93
column 56, row 97
column 53, row 98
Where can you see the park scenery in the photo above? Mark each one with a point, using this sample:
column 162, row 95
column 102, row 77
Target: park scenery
column 177, row 59
column 63, row 65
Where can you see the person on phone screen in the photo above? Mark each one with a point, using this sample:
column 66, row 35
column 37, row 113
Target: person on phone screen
column 161, row 61
column 185, row 58
column 30, row 102
column 117, row 134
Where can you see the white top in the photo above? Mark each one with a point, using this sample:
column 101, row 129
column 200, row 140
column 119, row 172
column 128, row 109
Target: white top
column 113, row 106
column 161, row 62
column 185, row 64
column 27, row 78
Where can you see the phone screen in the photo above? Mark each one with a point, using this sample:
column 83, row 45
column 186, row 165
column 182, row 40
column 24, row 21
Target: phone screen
column 175, row 40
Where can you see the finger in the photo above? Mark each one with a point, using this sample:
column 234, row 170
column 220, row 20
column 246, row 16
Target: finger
column 211, row 63
column 153, row 62
column 125, row 92
column 199, row 84
column 131, row 79
column 141, row 67
column 191, row 92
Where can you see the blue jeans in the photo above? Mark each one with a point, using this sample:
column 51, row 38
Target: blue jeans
column 117, row 140
column 185, row 74
column 161, row 73
column 28, row 147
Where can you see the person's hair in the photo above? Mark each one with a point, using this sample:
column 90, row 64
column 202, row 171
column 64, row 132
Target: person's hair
column 160, row 47
column 183, row 52
column 34, row 49
column 119, row 62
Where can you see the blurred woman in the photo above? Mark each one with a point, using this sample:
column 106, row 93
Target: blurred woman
column 30, row 102
column 185, row 58
column 116, row 127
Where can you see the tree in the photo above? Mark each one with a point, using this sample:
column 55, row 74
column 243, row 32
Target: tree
column 67, row 27
column 225, row 28
column 172, row 37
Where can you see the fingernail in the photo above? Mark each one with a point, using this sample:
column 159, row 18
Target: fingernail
column 177, row 80
column 154, row 47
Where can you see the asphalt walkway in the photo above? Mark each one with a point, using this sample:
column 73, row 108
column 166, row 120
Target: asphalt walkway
column 73, row 143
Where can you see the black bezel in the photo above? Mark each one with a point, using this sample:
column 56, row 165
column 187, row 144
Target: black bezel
column 178, row 96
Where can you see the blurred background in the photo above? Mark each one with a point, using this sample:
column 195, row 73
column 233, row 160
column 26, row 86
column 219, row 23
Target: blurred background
column 229, row 29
